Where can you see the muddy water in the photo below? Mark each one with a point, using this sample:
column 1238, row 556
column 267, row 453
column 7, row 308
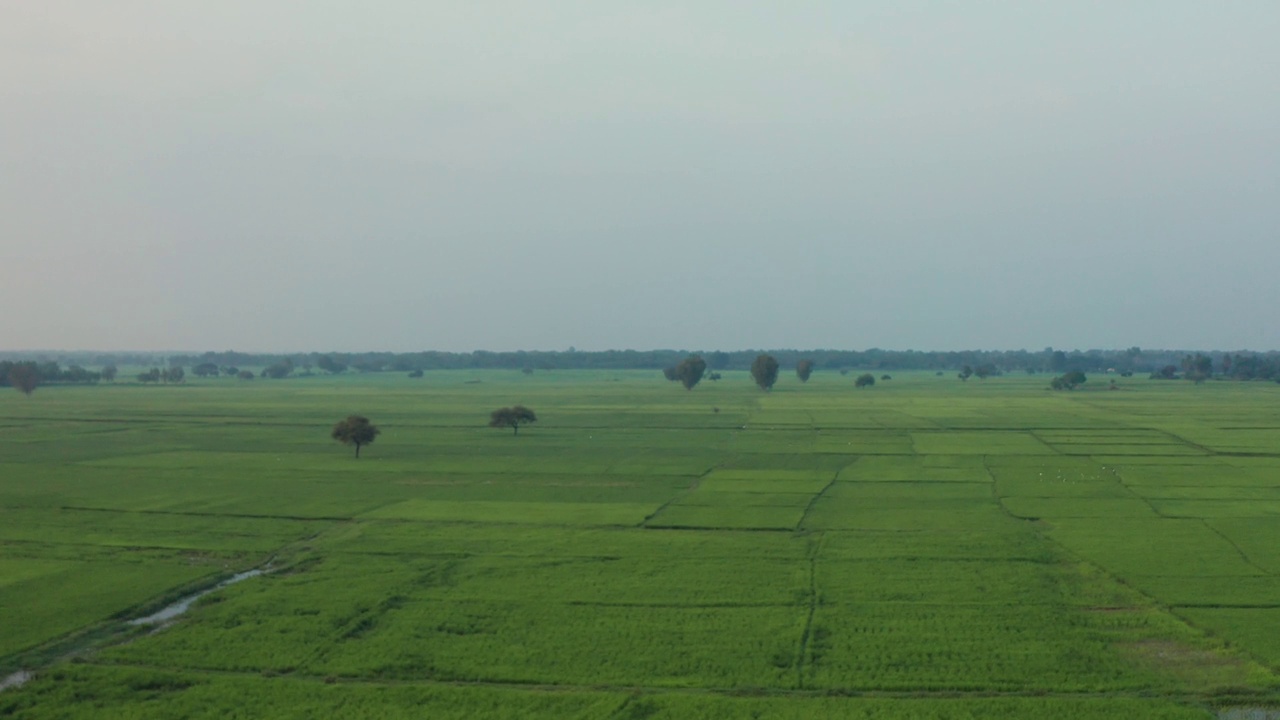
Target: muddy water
column 174, row 610
column 15, row 680
column 1249, row 713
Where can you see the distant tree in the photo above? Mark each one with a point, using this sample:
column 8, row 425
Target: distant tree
column 886, row 377
column 231, row 371
column 278, row 371
column 804, row 369
column 1198, row 368
column 865, row 380
column 512, row 417
column 1168, row 372
column 355, row 430
column 48, row 372
column 245, row 375
column 527, row 369
column 204, row 370
column 1068, row 381
column 1057, row 360
column 150, row 376
column 108, row 373
column 77, row 374
column 24, row 377
column 415, row 374
column 713, row 376
column 719, row 360
column 174, row 374
column 329, row 365
column 965, row 373
column 764, row 370
column 689, row 371
column 985, row 371
column 670, row 373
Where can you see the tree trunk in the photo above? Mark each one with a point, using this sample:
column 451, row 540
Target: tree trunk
column 515, row 429
column 357, row 451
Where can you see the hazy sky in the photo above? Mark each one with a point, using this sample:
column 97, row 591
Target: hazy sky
column 411, row 174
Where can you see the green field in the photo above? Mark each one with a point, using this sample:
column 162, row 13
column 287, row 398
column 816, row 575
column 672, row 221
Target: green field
column 924, row 548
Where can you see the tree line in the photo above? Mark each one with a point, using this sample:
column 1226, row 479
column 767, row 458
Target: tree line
column 1253, row 365
column 676, row 364
column 26, row 375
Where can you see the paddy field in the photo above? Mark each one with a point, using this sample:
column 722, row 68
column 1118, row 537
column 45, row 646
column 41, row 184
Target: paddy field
column 924, row 548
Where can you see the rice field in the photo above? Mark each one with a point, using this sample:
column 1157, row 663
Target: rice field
column 922, row 549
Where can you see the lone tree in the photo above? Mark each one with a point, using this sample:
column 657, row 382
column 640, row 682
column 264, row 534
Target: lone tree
column 512, row 417
column 804, row 369
column 689, row 371
column 1068, row 381
column 985, row 371
column 865, row 380
column 355, row 430
column 965, row 373
column 24, row 377
column 764, row 370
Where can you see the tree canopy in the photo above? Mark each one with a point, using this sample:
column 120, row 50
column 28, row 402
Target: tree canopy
column 355, row 430
column 689, row 371
column 24, row 377
column 1068, row 381
column 204, row 370
column 865, row 380
column 1198, row 368
column 512, row 417
column 804, row 368
column 765, row 371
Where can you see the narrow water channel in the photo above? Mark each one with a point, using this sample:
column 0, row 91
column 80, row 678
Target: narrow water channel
column 169, row 612
column 175, row 609
column 14, row 680
column 1249, row 713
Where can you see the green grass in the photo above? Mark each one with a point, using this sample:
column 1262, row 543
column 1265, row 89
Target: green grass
column 922, row 549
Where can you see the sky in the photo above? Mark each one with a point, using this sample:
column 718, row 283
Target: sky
column 279, row 175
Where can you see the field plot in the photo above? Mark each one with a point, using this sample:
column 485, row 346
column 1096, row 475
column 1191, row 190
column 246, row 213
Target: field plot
column 921, row 549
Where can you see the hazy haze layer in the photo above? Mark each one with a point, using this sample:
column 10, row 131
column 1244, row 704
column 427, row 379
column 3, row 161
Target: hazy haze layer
column 408, row 175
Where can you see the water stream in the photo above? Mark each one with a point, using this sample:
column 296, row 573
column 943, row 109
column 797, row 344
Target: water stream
column 14, row 680
column 165, row 614
column 1249, row 713
column 175, row 609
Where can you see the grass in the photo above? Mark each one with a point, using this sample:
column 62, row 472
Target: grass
column 923, row 549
